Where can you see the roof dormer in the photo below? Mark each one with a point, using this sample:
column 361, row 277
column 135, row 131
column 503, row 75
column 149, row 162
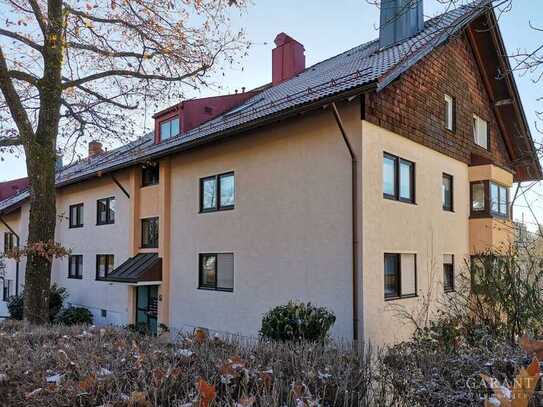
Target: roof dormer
column 185, row 116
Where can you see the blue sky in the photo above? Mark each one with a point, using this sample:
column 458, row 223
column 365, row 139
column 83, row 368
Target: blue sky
column 327, row 28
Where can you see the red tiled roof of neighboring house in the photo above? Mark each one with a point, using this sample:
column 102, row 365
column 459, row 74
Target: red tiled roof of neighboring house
column 13, row 187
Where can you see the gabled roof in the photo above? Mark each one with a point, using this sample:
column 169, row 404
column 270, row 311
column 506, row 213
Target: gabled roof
column 363, row 68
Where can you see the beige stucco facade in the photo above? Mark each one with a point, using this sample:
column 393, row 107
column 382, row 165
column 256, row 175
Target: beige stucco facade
column 93, row 239
column 290, row 232
column 423, row 228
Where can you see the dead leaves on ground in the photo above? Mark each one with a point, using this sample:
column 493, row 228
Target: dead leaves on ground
column 206, row 391
column 532, row 347
column 523, row 387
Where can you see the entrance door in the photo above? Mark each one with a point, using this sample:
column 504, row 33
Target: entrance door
column 147, row 309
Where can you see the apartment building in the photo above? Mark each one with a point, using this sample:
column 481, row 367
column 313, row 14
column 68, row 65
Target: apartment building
column 361, row 183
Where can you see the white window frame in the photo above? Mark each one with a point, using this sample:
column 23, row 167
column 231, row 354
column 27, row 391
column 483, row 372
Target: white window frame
column 449, row 112
column 480, row 132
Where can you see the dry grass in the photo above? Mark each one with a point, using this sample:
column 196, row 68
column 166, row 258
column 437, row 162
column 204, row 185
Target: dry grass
column 114, row 367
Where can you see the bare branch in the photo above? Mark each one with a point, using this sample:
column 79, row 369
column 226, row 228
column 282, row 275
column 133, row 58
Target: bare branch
column 10, row 141
column 18, row 112
column 133, row 74
column 21, row 38
column 40, row 18
column 112, row 54
column 23, row 76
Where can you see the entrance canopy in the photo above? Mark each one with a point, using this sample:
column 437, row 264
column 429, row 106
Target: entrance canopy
column 142, row 268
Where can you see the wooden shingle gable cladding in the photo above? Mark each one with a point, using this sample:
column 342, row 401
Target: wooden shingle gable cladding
column 413, row 106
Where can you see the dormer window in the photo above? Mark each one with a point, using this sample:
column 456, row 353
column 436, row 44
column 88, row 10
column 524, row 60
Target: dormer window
column 169, row 128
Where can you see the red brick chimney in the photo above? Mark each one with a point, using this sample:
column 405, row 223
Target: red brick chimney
column 288, row 58
column 95, row 148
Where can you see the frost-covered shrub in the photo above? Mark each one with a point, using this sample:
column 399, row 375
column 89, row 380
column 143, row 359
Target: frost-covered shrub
column 297, row 321
column 423, row 373
column 75, row 316
column 57, row 295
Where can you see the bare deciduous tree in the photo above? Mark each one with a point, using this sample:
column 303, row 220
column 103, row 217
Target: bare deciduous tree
column 70, row 70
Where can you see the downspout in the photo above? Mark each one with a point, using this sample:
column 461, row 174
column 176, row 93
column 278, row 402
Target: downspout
column 354, row 205
column 17, row 261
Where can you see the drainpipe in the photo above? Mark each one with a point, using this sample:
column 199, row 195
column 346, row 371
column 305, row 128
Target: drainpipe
column 17, row 261
column 354, row 205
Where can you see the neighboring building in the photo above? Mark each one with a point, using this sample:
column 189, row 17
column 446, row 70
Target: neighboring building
column 9, row 270
column 239, row 203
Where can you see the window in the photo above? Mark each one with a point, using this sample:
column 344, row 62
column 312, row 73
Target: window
column 105, row 211
column 7, row 290
column 216, row 271
column 480, row 132
column 398, row 179
column 448, row 272
column 217, row 193
column 400, row 275
column 478, row 198
column 169, row 128
column 489, row 199
column 150, row 174
column 76, row 216
column 75, row 266
column 105, row 263
column 447, row 192
column 499, row 199
column 450, row 113
column 9, row 239
column 149, row 233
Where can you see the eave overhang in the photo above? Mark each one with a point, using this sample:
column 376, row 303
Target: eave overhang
column 487, row 44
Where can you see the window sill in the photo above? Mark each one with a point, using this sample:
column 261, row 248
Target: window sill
column 149, row 185
column 75, row 278
column 224, row 290
column 404, row 201
column 486, row 215
column 403, row 297
column 448, row 210
column 104, row 224
column 226, row 208
column 75, row 226
column 449, row 291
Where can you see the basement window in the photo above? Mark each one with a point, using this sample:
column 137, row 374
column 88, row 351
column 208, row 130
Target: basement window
column 169, row 128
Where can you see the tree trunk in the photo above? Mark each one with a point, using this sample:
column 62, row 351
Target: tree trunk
column 41, row 156
column 41, row 228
